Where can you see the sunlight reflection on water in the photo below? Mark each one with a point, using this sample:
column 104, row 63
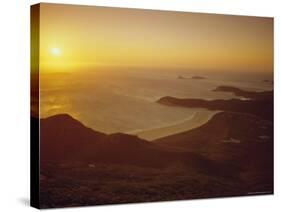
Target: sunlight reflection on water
column 125, row 101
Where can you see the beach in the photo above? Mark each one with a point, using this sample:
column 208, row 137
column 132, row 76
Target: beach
column 199, row 118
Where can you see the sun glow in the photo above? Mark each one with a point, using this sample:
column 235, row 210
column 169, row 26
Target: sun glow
column 79, row 37
column 56, row 51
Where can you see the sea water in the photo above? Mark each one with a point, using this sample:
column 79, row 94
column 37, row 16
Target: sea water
column 114, row 100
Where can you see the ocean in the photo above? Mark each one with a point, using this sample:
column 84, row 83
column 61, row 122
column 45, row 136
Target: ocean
column 114, row 100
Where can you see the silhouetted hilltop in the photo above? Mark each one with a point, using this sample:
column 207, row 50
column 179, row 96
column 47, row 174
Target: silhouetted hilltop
column 63, row 138
column 241, row 136
column 223, row 128
column 232, row 153
column 241, row 140
column 260, row 104
column 247, row 94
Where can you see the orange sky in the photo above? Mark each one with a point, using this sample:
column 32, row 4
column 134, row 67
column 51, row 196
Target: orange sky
column 100, row 36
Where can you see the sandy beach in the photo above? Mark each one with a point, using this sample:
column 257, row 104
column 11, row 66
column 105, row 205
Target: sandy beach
column 199, row 118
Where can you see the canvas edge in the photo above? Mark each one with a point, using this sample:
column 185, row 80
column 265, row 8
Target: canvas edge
column 34, row 112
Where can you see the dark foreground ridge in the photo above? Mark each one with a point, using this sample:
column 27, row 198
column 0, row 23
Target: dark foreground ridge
column 64, row 139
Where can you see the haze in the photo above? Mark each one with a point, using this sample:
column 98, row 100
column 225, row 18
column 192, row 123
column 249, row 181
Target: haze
column 99, row 36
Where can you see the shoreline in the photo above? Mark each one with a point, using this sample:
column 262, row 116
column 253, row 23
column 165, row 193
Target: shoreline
column 198, row 119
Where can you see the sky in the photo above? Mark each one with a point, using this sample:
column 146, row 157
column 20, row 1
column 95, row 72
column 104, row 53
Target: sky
column 73, row 37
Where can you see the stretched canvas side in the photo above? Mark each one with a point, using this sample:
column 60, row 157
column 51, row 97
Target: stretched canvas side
column 34, row 113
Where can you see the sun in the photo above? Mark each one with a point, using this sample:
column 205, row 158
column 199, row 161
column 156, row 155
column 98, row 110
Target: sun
column 56, row 51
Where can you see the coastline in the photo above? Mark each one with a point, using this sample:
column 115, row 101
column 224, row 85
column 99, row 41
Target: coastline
column 198, row 119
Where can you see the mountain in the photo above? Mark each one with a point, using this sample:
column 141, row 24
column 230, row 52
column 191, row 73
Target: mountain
column 242, row 143
column 259, row 104
column 246, row 94
column 63, row 138
column 224, row 130
column 230, row 155
column 240, row 136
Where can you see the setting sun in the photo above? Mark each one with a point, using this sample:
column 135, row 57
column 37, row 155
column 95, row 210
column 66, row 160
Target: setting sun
column 56, row 51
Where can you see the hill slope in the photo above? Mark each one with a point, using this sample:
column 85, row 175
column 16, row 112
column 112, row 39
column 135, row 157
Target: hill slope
column 65, row 139
column 258, row 103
